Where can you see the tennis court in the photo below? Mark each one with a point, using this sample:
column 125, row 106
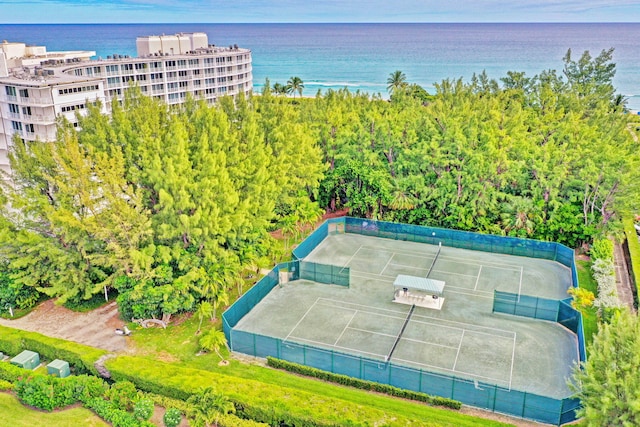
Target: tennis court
column 464, row 338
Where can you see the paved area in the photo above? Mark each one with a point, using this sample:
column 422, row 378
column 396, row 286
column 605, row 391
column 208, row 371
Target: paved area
column 623, row 281
column 95, row 328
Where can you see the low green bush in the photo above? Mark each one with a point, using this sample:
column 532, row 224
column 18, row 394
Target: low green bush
column 45, row 392
column 362, row 384
column 117, row 417
column 80, row 357
column 12, row 373
column 6, row 385
column 143, row 409
column 172, row 417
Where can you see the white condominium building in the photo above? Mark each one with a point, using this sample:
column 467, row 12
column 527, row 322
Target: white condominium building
column 37, row 87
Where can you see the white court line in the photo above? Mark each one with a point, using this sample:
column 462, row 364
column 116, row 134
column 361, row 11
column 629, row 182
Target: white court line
column 388, row 262
column 460, row 260
column 345, row 328
column 471, row 329
column 478, row 279
column 467, row 293
column 404, row 313
column 301, row 319
column 520, row 286
column 365, row 275
column 338, row 346
column 427, row 343
column 513, row 358
column 352, row 256
column 373, row 332
column 455, row 362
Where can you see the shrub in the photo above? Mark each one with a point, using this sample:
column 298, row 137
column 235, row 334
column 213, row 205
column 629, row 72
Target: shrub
column 6, row 385
column 12, row 373
column 601, row 249
column 122, row 395
column 143, row 409
column 45, row 392
column 172, row 417
column 362, row 384
column 86, row 387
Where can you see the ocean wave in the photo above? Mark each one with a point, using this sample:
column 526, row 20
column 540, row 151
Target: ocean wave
column 341, row 84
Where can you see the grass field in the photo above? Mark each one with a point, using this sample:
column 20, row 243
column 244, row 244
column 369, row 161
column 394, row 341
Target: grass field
column 589, row 315
column 14, row 414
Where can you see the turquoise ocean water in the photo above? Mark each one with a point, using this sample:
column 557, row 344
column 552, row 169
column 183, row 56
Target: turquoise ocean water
column 361, row 56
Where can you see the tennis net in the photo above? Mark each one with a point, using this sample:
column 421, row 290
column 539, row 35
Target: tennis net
column 434, row 259
column 395, row 344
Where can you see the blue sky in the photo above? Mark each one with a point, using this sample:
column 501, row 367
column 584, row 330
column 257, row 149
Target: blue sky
column 234, row 11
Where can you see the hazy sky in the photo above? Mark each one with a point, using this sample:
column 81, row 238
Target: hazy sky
column 233, row 11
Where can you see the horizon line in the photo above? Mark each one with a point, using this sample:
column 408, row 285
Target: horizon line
column 321, row 22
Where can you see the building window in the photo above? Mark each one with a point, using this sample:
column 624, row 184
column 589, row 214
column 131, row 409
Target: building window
column 17, row 126
column 194, row 62
column 141, row 77
column 170, row 63
column 182, row 63
column 196, row 72
column 156, row 76
column 26, row 111
column 183, row 84
column 24, row 93
column 11, row 90
column 182, row 73
column 29, row 127
column 13, row 108
column 141, row 66
column 126, row 67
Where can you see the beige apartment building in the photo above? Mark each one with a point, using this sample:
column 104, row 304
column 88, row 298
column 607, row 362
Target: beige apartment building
column 37, row 87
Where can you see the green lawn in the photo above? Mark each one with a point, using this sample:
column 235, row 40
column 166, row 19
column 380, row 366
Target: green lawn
column 13, row 413
column 590, row 315
column 178, row 344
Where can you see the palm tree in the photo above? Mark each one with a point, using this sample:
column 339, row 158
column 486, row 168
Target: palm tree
column 205, row 309
column 295, row 84
column 279, row 89
column 207, row 406
column 220, row 296
column 213, row 340
column 397, row 80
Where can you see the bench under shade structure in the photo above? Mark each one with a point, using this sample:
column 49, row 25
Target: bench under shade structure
column 419, row 291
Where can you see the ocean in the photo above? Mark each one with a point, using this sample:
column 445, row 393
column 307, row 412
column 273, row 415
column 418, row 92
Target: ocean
column 361, row 56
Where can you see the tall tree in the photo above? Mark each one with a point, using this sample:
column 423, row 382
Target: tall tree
column 608, row 385
column 295, row 84
column 396, row 81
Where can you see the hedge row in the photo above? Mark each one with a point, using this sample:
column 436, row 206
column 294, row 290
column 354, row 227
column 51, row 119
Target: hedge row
column 266, row 403
column 362, row 384
column 634, row 251
column 80, row 357
column 12, row 373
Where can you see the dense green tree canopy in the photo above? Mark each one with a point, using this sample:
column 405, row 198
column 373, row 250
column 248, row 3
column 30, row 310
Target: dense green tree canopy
column 167, row 205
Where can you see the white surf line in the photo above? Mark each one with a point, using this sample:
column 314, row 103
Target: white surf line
column 455, row 362
column 353, row 256
column 387, row 264
column 478, row 279
column 520, row 285
column 346, row 327
column 301, row 319
column 513, row 358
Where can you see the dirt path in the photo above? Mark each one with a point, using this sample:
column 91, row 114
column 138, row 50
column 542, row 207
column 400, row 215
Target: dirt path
column 623, row 282
column 95, row 329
